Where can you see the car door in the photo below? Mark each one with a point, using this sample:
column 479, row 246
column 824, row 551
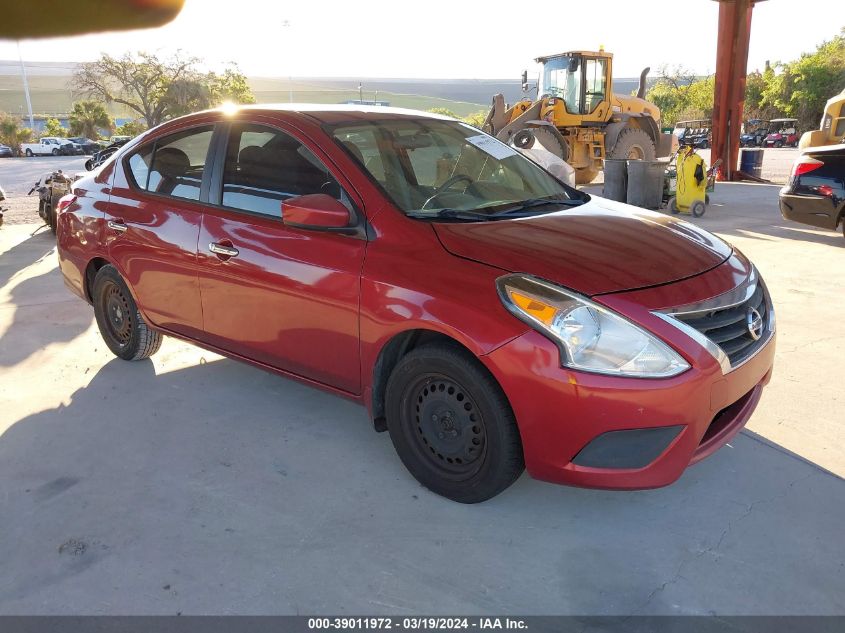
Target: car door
column 283, row 296
column 152, row 224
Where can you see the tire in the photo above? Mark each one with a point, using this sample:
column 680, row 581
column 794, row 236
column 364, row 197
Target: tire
column 704, row 145
column 673, row 205
column 55, row 152
column 452, row 425
column 121, row 325
column 89, row 165
column 585, row 176
column 29, row 153
column 778, row 144
column 634, row 143
column 698, row 208
column 49, row 216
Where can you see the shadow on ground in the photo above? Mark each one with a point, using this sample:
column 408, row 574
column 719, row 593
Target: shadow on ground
column 35, row 324
column 220, row 488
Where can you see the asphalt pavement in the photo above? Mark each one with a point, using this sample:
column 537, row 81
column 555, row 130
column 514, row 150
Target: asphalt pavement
column 17, row 175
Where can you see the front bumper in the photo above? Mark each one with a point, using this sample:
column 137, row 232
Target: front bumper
column 570, row 421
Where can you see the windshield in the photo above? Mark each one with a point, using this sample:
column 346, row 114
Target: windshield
column 428, row 166
column 562, row 78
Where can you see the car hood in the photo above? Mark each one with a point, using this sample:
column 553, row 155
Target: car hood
column 599, row 247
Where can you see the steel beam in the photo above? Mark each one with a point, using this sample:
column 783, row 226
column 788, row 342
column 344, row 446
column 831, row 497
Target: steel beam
column 729, row 98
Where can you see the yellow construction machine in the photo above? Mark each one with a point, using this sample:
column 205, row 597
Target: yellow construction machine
column 832, row 128
column 578, row 117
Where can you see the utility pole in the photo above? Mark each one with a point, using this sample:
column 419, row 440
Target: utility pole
column 286, row 24
column 26, row 88
column 360, row 94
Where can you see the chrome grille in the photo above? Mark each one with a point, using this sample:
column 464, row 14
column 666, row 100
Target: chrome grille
column 722, row 325
column 728, row 327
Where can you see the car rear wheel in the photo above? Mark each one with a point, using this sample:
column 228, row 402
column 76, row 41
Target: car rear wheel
column 121, row 325
column 452, row 425
column 28, row 153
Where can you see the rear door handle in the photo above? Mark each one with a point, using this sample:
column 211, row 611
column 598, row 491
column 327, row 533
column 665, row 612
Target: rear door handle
column 117, row 225
column 223, row 250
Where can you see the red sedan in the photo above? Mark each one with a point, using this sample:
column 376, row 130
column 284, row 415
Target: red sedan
column 490, row 317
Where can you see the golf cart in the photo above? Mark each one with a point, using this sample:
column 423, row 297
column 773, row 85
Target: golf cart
column 695, row 133
column 755, row 133
column 782, row 132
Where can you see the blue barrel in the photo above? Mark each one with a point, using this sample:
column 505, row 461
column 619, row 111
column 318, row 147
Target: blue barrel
column 751, row 161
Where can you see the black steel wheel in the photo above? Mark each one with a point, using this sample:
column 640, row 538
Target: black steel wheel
column 121, row 325
column 447, row 427
column 451, row 424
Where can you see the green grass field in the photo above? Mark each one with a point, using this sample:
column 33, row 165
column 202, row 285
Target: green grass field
column 53, row 95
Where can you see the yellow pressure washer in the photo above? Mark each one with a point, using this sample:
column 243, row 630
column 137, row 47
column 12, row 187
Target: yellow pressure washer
column 691, row 182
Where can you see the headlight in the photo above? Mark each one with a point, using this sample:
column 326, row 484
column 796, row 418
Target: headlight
column 590, row 336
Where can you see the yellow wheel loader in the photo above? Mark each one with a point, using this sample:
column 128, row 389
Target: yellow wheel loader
column 832, row 128
column 578, row 117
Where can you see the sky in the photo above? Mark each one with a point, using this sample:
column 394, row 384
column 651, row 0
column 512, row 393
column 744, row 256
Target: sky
column 449, row 39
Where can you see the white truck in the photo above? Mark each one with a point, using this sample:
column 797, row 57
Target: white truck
column 51, row 145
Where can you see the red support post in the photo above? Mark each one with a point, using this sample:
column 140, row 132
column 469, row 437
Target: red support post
column 729, row 99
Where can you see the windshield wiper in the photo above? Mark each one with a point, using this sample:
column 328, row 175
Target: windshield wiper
column 519, row 209
column 449, row 214
column 522, row 208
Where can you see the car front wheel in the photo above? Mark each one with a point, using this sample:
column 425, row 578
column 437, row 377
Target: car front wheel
column 121, row 325
column 452, row 425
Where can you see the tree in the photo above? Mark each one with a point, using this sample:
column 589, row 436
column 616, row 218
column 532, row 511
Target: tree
column 680, row 95
column 12, row 134
column 88, row 117
column 52, row 127
column 130, row 128
column 157, row 89
column 443, row 111
column 476, row 119
column 801, row 87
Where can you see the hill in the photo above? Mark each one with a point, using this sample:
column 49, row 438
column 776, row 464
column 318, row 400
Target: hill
column 51, row 93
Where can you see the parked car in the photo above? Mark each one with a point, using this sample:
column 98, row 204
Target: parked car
column 782, row 133
column 120, row 139
column 50, row 145
column 815, row 192
column 489, row 316
column 6, row 151
column 98, row 158
column 88, row 146
column 72, row 148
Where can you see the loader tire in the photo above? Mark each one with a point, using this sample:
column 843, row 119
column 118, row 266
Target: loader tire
column 633, row 144
column 585, row 176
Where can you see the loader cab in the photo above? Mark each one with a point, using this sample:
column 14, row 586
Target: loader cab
column 581, row 80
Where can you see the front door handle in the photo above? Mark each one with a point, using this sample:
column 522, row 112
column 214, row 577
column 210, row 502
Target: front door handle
column 223, row 250
column 118, row 226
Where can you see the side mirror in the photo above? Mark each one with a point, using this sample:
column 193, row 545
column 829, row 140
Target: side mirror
column 315, row 211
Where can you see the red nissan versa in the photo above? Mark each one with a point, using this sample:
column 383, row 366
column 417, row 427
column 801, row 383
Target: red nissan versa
column 488, row 316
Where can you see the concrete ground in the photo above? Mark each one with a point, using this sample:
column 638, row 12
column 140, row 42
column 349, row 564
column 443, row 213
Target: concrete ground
column 195, row 484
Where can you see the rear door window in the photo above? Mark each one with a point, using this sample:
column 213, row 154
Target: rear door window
column 173, row 165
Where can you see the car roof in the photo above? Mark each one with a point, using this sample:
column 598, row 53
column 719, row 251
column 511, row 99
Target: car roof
column 337, row 113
